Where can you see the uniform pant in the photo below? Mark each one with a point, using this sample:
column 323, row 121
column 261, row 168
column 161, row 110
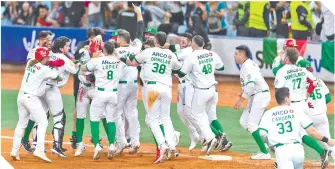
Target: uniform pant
column 181, row 110
column 127, row 107
column 290, row 156
column 157, row 104
column 84, row 97
column 30, row 106
column 198, row 104
column 253, row 113
column 103, row 103
column 320, row 122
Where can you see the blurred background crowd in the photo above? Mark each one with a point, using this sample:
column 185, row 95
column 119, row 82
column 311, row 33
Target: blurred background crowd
column 282, row 19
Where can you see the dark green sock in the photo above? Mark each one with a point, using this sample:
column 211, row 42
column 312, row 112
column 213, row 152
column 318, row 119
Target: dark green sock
column 111, row 132
column 74, row 133
column 104, row 122
column 216, row 132
column 216, row 124
column 162, row 129
column 259, row 141
column 95, row 132
column 312, row 143
column 28, row 130
column 80, row 129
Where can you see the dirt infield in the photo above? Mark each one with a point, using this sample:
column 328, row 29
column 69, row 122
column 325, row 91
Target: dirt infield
column 228, row 93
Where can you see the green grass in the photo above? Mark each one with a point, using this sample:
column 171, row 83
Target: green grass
column 229, row 118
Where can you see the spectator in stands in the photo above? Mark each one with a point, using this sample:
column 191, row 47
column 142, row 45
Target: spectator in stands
column 259, row 19
column 127, row 19
column 42, row 19
column 197, row 28
column 177, row 15
column 158, row 15
column 73, row 14
column 110, row 12
column 215, row 18
column 327, row 27
column 230, row 14
column 55, row 11
column 10, row 14
column 282, row 13
column 25, row 16
column 95, row 17
column 200, row 10
column 301, row 17
column 241, row 20
column 190, row 7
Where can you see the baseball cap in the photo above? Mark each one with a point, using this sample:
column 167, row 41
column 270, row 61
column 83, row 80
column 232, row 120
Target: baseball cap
column 290, row 43
column 41, row 53
column 151, row 30
column 115, row 33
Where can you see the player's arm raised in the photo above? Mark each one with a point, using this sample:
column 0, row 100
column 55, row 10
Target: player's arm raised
column 313, row 82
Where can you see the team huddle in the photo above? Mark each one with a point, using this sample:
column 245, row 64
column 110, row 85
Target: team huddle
column 110, row 73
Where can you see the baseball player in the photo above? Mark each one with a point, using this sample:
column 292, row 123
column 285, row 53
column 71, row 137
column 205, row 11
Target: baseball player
column 44, row 40
column 297, row 80
column 200, row 93
column 283, row 125
column 53, row 96
column 33, row 86
column 256, row 90
column 107, row 69
column 301, row 62
column 157, row 65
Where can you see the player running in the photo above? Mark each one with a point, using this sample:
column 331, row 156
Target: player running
column 200, row 91
column 256, row 90
column 107, row 69
column 157, row 65
column 29, row 103
column 283, row 125
column 297, row 80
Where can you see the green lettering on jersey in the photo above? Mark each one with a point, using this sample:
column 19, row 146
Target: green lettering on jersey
column 285, row 127
column 316, row 94
column 207, row 69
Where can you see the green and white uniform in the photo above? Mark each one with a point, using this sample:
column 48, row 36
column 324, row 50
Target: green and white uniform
column 283, row 125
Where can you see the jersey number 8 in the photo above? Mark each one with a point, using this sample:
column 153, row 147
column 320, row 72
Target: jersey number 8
column 110, row 75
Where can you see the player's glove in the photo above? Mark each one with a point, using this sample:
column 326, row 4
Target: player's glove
column 95, row 46
column 56, row 63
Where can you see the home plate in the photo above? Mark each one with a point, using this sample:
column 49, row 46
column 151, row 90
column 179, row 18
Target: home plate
column 216, row 158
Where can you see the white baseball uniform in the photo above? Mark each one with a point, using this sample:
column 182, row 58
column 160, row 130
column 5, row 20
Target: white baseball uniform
column 53, row 96
column 277, row 61
column 201, row 92
column 181, row 94
column 107, row 70
column 33, row 86
column 295, row 78
column 256, row 90
column 127, row 97
column 157, row 66
column 85, row 94
column 283, row 125
column 318, row 109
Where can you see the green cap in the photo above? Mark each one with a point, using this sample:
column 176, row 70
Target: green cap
column 116, row 32
column 151, row 30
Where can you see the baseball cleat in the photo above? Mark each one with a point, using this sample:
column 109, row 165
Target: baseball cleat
column 97, row 152
column 91, row 140
column 58, row 151
column 40, row 154
column 15, row 156
column 222, row 141
column 194, row 141
column 26, row 145
column 157, row 154
column 111, row 152
column 261, row 156
column 120, row 148
column 210, row 146
column 163, row 151
column 324, row 159
column 275, row 165
column 226, row 147
column 73, row 141
column 80, row 149
column 134, row 148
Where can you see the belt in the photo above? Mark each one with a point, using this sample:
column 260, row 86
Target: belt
column 183, row 81
column 205, row 88
column 125, row 82
column 86, row 84
column 103, row 89
column 279, row 144
column 264, row 91
column 296, row 101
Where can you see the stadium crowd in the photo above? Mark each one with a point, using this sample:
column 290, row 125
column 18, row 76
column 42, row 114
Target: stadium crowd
column 310, row 20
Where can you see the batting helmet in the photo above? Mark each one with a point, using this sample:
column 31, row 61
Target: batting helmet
column 290, row 43
column 41, row 53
